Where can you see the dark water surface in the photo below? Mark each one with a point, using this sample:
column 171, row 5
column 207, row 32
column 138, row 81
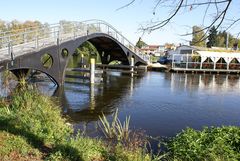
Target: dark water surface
column 162, row 104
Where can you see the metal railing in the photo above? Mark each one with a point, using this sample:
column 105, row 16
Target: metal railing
column 35, row 38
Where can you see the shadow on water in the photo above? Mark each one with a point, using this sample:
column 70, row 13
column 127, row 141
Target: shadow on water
column 160, row 103
column 95, row 99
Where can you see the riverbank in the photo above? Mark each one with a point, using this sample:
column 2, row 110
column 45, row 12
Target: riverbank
column 33, row 128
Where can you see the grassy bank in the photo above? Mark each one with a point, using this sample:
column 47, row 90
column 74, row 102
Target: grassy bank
column 32, row 128
column 216, row 143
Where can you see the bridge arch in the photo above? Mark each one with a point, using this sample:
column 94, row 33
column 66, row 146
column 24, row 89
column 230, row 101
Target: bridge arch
column 60, row 49
column 22, row 72
column 109, row 49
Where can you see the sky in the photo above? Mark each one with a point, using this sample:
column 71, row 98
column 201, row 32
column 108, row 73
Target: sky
column 127, row 20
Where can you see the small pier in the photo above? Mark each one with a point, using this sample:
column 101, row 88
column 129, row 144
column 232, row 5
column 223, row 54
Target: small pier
column 158, row 67
column 216, row 71
column 100, row 69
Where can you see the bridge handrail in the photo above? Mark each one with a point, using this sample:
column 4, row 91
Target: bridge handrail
column 109, row 25
column 135, row 49
column 56, row 30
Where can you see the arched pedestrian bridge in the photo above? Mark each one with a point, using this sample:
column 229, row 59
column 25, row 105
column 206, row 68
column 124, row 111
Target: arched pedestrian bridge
column 33, row 47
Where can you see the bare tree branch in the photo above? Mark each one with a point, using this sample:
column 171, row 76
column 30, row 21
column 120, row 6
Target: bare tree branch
column 233, row 23
column 164, row 22
column 218, row 9
column 219, row 15
column 220, row 18
column 126, row 5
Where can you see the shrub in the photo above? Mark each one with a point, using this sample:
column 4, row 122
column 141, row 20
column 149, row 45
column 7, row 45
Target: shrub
column 36, row 126
column 221, row 143
column 35, row 114
column 115, row 129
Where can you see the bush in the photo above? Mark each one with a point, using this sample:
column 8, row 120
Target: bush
column 209, row 144
column 30, row 113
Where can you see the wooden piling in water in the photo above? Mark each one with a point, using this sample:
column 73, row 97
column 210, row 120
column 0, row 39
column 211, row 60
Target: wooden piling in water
column 92, row 70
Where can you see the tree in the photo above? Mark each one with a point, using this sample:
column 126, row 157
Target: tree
column 197, row 36
column 2, row 30
column 212, row 38
column 2, row 26
column 217, row 9
column 67, row 26
column 231, row 41
column 86, row 49
column 221, row 39
column 140, row 43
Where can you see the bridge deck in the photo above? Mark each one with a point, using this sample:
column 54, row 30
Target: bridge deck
column 20, row 44
column 27, row 49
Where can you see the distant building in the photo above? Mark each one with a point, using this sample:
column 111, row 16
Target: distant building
column 183, row 49
column 155, row 50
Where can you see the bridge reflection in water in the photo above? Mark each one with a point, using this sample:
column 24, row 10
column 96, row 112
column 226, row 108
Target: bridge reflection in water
column 160, row 103
column 84, row 103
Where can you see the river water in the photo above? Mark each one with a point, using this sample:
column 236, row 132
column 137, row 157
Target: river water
column 162, row 104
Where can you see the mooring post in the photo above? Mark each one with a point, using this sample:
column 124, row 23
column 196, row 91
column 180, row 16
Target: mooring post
column 92, row 69
column 132, row 66
column 172, row 61
column 82, row 60
column 92, row 97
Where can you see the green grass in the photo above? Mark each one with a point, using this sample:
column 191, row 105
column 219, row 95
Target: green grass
column 15, row 147
column 33, row 128
column 219, row 143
